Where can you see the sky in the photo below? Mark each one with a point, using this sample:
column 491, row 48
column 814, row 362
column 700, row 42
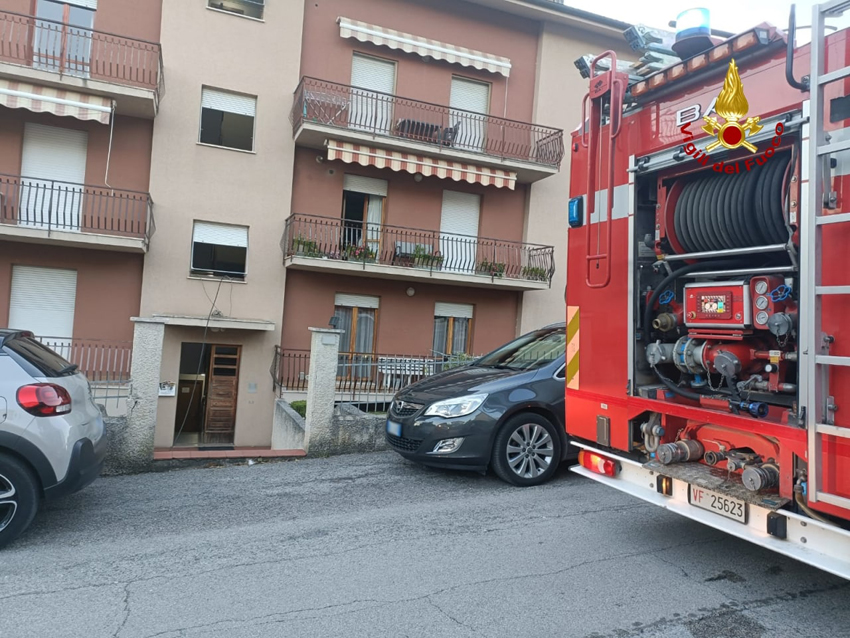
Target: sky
column 726, row 15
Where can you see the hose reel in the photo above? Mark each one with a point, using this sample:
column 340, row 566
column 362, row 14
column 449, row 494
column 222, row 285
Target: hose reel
column 720, row 211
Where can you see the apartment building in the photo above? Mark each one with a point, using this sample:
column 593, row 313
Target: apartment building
column 393, row 168
column 80, row 86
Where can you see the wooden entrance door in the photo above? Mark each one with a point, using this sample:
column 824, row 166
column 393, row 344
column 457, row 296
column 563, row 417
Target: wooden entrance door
column 220, row 421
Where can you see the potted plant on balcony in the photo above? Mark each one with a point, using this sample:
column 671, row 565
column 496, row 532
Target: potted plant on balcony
column 306, row 247
column 493, row 268
column 424, row 257
column 359, row 253
column 534, row 273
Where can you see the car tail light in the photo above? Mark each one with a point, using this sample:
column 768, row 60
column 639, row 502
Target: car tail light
column 598, row 463
column 44, row 399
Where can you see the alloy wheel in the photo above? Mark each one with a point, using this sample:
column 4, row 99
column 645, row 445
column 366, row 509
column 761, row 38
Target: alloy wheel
column 530, row 450
column 8, row 504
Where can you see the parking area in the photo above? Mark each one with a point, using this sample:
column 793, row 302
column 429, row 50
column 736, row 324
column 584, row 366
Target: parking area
column 370, row 545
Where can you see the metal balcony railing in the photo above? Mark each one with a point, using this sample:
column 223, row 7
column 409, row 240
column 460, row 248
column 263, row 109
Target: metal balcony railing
column 363, row 378
column 65, row 206
column 61, row 48
column 106, row 365
column 347, row 107
column 340, row 239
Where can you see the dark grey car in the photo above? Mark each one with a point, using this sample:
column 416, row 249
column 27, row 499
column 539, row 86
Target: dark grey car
column 505, row 410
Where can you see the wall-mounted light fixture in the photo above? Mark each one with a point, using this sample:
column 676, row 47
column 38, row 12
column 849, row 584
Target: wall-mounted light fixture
column 410, row 292
column 417, row 177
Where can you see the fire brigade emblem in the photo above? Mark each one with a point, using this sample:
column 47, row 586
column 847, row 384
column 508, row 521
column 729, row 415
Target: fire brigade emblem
column 731, row 105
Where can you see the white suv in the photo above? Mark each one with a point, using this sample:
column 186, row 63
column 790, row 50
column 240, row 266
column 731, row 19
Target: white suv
column 52, row 440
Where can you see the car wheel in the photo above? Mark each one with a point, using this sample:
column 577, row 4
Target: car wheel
column 527, row 450
column 18, row 498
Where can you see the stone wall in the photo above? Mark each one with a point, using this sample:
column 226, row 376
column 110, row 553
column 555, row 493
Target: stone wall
column 117, row 461
column 349, row 431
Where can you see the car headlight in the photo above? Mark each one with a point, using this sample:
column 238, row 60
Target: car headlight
column 461, row 406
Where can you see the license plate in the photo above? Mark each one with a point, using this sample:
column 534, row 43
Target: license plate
column 394, row 428
column 718, row 503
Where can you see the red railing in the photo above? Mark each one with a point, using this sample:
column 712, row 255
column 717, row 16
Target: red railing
column 103, row 362
column 66, row 206
column 343, row 106
column 54, row 46
column 339, row 239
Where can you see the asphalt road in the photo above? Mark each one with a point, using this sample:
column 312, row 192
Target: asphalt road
column 369, row 545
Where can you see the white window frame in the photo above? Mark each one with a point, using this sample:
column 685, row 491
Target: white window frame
column 239, row 15
column 192, row 269
column 253, row 150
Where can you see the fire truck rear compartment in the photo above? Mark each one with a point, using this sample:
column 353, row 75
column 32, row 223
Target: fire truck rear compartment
column 716, row 312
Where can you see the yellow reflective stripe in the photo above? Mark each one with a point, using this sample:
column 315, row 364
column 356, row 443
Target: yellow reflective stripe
column 573, row 336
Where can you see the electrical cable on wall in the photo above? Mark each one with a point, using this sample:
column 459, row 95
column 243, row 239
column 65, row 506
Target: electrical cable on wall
column 200, row 358
column 109, row 148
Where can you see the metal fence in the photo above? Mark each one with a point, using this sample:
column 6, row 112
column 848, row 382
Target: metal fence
column 344, row 106
column 106, row 365
column 367, row 380
column 339, row 239
column 61, row 48
column 54, row 205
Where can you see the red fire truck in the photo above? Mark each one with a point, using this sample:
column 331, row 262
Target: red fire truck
column 708, row 292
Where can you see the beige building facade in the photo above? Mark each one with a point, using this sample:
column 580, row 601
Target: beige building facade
column 393, row 168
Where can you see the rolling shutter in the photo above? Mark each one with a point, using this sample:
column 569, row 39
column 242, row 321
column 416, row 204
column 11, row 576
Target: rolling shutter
column 220, row 234
column 469, row 95
column 356, row 301
column 229, row 102
column 28, row 308
column 442, row 309
column 372, row 74
column 367, row 185
column 460, row 213
column 86, row 4
column 53, row 153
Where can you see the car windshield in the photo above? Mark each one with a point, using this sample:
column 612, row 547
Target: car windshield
column 528, row 352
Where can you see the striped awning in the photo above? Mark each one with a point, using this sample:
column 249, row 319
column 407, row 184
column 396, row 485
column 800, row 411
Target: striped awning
column 423, row 46
column 427, row 166
column 43, row 99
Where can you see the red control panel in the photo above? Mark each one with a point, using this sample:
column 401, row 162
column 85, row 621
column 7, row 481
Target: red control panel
column 713, row 305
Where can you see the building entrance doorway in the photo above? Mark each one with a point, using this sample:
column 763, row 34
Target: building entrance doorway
column 206, row 395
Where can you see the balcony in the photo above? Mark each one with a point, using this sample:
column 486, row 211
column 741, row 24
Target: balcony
column 323, row 109
column 50, row 212
column 57, row 55
column 328, row 244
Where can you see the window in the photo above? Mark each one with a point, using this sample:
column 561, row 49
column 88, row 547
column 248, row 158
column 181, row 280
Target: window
column 470, row 103
column 357, row 317
column 530, row 351
column 64, row 48
column 363, row 214
column 219, row 250
column 371, row 103
column 247, row 8
column 459, row 231
column 452, row 328
column 227, row 119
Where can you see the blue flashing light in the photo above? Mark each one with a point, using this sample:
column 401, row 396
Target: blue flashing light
column 692, row 22
column 576, row 216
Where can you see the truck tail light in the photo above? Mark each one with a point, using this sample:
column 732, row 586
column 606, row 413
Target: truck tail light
column 598, row 463
column 44, row 399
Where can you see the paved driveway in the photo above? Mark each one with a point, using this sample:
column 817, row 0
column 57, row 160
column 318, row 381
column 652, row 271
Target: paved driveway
column 369, row 545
